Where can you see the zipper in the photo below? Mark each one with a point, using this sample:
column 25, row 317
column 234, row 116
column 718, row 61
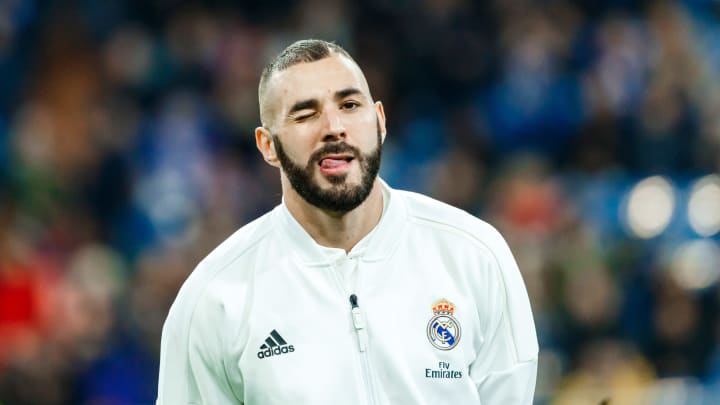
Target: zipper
column 358, row 323
column 361, row 332
column 360, row 327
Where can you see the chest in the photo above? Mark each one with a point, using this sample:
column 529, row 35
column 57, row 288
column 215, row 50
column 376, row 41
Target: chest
column 415, row 331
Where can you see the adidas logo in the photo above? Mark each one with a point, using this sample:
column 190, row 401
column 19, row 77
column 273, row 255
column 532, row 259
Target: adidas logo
column 274, row 345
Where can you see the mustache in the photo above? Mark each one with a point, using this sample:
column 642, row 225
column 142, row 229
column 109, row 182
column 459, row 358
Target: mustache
column 333, row 149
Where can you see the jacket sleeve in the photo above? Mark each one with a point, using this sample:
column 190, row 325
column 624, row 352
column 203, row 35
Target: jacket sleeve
column 192, row 367
column 505, row 369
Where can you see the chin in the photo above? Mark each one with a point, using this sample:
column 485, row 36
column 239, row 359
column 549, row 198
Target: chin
column 346, row 180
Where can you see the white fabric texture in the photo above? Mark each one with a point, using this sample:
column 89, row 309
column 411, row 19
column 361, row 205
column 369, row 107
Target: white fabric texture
column 272, row 276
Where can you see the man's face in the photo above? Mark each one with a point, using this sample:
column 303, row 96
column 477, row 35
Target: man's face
column 326, row 132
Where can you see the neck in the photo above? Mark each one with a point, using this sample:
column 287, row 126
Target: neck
column 332, row 229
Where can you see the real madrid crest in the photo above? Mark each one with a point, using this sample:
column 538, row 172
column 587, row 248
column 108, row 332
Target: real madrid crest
column 443, row 330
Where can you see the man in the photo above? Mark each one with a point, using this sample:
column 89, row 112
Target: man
column 349, row 292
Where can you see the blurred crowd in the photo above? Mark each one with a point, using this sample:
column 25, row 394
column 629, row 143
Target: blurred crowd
column 127, row 153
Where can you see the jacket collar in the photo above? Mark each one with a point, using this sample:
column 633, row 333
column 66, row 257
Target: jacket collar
column 377, row 245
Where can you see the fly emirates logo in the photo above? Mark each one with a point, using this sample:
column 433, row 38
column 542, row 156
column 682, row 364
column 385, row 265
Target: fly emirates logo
column 443, row 371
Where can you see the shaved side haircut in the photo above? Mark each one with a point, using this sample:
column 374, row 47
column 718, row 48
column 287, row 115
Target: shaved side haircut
column 305, row 51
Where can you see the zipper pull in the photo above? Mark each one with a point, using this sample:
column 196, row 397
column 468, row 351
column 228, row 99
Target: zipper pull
column 358, row 323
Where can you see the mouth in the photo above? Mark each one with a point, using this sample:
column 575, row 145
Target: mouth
column 334, row 165
column 330, row 161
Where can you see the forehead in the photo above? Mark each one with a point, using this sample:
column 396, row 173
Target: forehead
column 315, row 80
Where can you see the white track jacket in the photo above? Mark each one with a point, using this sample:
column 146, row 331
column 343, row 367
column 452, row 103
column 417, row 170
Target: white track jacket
column 429, row 308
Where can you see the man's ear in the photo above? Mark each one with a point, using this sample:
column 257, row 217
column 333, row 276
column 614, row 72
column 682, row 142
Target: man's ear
column 264, row 143
column 380, row 111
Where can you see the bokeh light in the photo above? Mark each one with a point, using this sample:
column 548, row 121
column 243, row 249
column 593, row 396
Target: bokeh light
column 650, row 207
column 695, row 265
column 704, row 206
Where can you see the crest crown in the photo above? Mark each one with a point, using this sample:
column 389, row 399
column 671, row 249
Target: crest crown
column 443, row 307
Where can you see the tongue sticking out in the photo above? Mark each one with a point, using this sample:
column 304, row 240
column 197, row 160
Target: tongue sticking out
column 331, row 163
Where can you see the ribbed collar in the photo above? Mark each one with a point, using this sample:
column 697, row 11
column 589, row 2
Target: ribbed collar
column 376, row 245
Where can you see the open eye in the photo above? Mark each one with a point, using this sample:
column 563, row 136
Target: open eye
column 349, row 105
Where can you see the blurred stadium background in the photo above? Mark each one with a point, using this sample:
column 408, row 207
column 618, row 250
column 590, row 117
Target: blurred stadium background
column 587, row 131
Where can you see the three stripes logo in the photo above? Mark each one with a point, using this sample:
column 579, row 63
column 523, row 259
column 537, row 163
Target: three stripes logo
column 274, row 345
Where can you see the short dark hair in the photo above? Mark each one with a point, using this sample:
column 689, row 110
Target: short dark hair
column 303, row 51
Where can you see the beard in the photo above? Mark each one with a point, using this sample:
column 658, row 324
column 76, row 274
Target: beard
column 340, row 197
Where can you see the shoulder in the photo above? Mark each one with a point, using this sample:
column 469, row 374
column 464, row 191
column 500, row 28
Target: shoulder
column 429, row 212
column 196, row 334
column 220, row 264
column 238, row 245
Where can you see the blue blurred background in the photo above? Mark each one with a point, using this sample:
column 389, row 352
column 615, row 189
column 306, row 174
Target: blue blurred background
column 588, row 132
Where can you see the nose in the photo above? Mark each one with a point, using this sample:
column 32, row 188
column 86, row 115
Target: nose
column 334, row 128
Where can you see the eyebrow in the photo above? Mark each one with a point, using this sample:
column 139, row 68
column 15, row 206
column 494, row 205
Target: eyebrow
column 303, row 105
column 313, row 103
column 350, row 91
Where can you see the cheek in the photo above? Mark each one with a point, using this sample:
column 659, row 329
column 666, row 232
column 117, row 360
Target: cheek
column 299, row 155
column 297, row 145
column 367, row 130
